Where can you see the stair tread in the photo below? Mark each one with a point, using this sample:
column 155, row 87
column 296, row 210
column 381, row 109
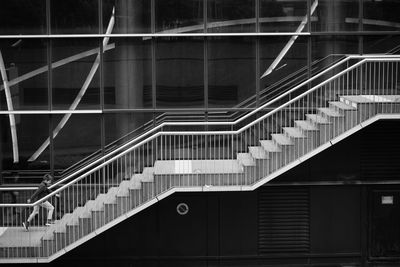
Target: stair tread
column 330, row 112
column 306, row 126
column 258, row 152
column 341, row 105
column 269, row 146
column 293, row 132
column 317, row 118
column 196, row 166
column 246, row 159
column 281, row 139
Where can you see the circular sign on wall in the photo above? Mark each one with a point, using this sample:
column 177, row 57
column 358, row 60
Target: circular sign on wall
column 182, row 208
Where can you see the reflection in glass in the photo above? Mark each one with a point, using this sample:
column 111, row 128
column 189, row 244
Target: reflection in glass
column 26, row 68
column 382, row 15
column 78, row 139
column 32, row 131
column 231, row 69
column 127, row 74
column 23, row 17
column 122, row 127
column 283, row 16
column 231, row 16
column 336, row 15
column 179, row 16
column 69, row 16
column 381, row 44
column 131, row 16
column 76, row 80
column 329, row 49
column 180, row 68
column 283, row 68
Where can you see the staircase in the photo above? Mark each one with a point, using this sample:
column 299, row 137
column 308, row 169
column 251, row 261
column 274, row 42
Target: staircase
column 269, row 144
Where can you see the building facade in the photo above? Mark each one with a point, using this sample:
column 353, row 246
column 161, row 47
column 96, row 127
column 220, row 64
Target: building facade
column 82, row 76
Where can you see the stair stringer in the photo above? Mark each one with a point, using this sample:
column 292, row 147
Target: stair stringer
column 206, row 188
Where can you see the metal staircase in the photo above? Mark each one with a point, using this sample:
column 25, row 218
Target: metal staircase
column 229, row 156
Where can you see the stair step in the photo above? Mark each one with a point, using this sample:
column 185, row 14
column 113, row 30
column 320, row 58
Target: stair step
column 306, row 126
column 341, row 105
column 293, row 132
column 281, row 139
column 317, row 119
column 270, row 146
column 258, row 152
column 330, row 112
column 246, row 159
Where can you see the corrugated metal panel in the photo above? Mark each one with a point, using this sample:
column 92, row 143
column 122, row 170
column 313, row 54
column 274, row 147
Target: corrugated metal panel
column 283, row 220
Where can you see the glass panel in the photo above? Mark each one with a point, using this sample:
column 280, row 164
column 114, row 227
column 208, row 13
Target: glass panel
column 32, row 131
column 179, row 16
column 329, row 49
column 231, row 70
column 26, row 68
column 123, row 127
column 381, row 44
column 78, row 139
column 281, row 69
column 336, row 15
column 382, row 15
column 283, row 16
column 231, row 16
column 76, row 77
column 127, row 74
column 131, row 16
column 23, row 17
column 180, row 68
column 71, row 16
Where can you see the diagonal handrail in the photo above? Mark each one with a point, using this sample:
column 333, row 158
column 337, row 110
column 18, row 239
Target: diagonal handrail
column 365, row 58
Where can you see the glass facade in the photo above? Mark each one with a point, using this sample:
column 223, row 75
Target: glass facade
column 85, row 74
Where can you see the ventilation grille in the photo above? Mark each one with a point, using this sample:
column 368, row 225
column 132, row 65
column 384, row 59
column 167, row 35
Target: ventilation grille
column 283, row 220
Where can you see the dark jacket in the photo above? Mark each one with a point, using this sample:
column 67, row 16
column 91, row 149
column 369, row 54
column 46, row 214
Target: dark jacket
column 42, row 191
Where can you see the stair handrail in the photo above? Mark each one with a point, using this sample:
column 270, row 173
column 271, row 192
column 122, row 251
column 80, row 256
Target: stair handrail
column 366, row 58
column 244, row 104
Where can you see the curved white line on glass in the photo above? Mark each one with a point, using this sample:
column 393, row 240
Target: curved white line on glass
column 81, row 93
column 291, row 41
column 10, row 107
column 57, row 64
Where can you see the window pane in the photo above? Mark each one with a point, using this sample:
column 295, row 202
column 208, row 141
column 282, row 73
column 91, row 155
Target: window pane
column 26, row 69
column 231, row 70
column 23, row 17
column 76, row 77
column 69, row 16
column 180, row 78
column 382, row 15
column 329, row 49
column 283, row 16
column 127, row 74
column 131, row 16
column 336, row 15
column 381, row 44
column 280, row 68
column 122, row 127
column 76, row 140
column 28, row 144
column 231, row 16
column 179, row 16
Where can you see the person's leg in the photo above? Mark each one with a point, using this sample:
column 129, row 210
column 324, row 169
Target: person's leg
column 33, row 214
column 50, row 208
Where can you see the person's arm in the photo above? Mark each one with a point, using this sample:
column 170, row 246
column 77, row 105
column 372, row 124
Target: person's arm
column 37, row 192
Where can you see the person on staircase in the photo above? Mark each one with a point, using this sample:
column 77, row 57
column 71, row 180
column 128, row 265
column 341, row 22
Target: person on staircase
column 42, row 191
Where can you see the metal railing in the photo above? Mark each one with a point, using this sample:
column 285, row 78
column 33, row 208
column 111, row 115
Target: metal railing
column 226, row 156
